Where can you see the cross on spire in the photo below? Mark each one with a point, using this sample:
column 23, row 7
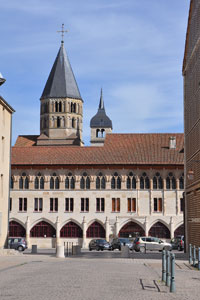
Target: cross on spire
column 62, row 33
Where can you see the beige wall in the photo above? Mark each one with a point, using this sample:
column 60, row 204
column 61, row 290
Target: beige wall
column 5, row 128
column 145, row 216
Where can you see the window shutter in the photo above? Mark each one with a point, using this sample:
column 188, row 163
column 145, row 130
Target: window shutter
column 118, row 204
column 113, row 204
column 129, row 204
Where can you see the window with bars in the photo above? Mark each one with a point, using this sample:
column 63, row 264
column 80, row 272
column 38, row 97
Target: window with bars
column 181, row 205
column 38, row 204
column 157, row 205
column 53, row 204
column 115, row 204
column 22, row 204
column 69, row 204
column 100, row 204
column 131, row 204
column 84, row 204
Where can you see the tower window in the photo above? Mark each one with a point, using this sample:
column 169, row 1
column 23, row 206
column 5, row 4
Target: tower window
column 58, row 122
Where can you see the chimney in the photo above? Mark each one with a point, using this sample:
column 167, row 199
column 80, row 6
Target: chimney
column 172, row 142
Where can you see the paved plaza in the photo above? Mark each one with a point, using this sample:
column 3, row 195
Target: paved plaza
column 93, row 276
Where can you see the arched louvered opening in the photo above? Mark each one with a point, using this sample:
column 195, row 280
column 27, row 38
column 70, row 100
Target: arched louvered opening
column 95, row 230
column 71, row 230
column 159, row 230
column 131, row 229
column 16, row 229
column 179, row 231
column 43, row 229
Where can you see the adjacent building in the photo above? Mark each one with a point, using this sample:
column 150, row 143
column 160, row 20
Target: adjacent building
column 123, row 185
column 6, row 112
column 191, row 73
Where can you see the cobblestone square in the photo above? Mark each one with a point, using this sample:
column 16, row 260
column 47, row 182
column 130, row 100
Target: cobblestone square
column 92, row 277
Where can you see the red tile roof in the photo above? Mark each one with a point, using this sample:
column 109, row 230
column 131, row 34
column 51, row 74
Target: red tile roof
column 119, row 149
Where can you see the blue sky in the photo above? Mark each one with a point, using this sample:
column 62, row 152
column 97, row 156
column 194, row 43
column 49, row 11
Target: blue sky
column 132, row 49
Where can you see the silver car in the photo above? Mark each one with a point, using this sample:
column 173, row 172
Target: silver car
column 141, row 244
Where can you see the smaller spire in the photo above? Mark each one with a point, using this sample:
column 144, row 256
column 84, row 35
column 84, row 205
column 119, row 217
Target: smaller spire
column 101, row 103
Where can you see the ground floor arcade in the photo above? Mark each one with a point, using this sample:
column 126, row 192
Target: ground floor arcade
column 46, row 234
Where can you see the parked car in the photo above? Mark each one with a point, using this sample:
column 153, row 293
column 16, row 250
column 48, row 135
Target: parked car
column 117, row 243
column 99, row 244
column 17, row 243
column 178, row 243
column 141, row 244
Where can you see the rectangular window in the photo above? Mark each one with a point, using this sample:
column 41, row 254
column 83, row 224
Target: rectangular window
column 115, row 204
column 38, row 205
column 157, row 204
column 84, row 204
column 10, row 207
column 22, row 204
column 131, row 204
column 53, row 204
column 181, row 204
column 69, row 204
column 100, row 204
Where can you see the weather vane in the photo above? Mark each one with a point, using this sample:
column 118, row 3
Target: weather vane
column 62, row 32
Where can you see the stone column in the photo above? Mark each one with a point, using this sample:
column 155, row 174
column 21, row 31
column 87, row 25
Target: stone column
column 46, row 182
column 58, row 242
column 84, row 225
column 92, row 182
column 117, row 226
column 31, row 182
column 107, row 229
column 146, row 225
column 28, row 232
column 123, row 182
column 171, row 227
column 62, row 182
column 138, row 203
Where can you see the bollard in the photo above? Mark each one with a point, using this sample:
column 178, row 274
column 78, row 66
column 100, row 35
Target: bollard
column 199, row 258
column 168, row 268
column 194, row 256
column 190, row 254
column 164, row 265
column 172, row 285
column 34, row 249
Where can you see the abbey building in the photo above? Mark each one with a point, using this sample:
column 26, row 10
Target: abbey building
column 122, row 185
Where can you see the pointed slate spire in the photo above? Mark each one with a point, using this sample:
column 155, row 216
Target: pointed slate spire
column 101, row 103
column 101, row 120
column 61, row 82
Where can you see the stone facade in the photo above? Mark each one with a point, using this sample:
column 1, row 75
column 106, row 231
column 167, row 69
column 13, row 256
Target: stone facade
column 145, row 213
column 5, row 140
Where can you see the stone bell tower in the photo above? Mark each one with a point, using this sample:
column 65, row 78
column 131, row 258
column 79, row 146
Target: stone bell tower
column 100, row 125
column 61, row 106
